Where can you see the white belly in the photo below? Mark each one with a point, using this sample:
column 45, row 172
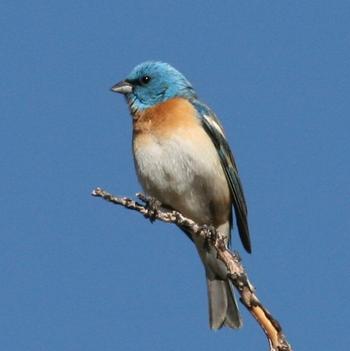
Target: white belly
column 184, row 175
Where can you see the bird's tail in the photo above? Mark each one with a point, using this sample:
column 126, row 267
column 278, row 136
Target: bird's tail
column 223, row 309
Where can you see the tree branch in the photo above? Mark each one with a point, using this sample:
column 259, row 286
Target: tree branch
column 236, row 272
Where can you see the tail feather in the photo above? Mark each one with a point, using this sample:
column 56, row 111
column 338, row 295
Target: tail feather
column 223, row 309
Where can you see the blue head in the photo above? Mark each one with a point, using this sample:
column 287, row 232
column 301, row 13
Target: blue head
column 151, row 83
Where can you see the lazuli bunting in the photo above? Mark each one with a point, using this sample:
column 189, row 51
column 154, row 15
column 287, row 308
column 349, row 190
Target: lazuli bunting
column 183, row 159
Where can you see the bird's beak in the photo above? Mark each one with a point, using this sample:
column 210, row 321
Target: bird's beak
column 122, row 87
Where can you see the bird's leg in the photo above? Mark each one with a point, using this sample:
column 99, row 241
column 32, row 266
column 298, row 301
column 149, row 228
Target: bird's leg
column 152, row 204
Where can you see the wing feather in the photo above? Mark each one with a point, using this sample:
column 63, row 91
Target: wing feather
column 214, row 129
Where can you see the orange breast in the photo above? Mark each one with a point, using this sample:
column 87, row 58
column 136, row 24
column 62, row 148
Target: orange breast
column 164, row 118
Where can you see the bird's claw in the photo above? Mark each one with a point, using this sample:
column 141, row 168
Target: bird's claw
column 152, row 205
column 209, row 229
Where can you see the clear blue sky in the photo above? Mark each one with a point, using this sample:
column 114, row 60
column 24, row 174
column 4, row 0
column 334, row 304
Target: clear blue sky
column 80, row 274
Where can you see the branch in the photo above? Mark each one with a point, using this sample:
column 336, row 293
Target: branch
column 236, row 271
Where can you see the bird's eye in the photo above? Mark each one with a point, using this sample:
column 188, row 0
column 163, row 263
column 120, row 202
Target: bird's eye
column 145, row 79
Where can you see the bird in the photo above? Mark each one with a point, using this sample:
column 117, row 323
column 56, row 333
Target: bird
column 182, row 158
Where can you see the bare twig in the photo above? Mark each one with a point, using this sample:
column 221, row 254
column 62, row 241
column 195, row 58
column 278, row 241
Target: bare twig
column 236, row 271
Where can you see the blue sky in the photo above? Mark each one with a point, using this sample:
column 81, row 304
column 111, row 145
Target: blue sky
column 80, row 274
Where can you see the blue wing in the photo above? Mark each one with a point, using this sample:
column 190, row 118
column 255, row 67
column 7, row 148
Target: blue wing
column 214, row 129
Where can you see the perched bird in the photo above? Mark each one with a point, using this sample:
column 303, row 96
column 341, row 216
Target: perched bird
column 183, row 159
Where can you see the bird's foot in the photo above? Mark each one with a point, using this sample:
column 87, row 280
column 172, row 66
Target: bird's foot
column 209, row 230
column 152, row 205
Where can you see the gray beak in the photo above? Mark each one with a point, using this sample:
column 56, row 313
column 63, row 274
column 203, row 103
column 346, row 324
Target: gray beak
column 122, row 87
